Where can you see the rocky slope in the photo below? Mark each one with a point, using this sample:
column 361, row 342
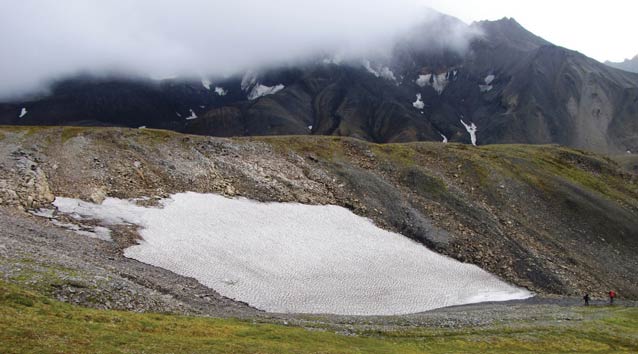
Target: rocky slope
column 508, row 85
column 554, row 220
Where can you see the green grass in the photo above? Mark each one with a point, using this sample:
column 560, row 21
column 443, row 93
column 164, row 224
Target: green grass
column 69, row 132
column 403, row 154
column 326, row 148
column 542, row 165
column 31, row 323
column 628, row 162
column 26, row 130
column 157, row 135
column 548, row 168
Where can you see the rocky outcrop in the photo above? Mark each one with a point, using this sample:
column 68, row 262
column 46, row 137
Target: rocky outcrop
column 23, row 183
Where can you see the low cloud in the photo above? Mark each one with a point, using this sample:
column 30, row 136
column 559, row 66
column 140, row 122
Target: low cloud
column 43, row 40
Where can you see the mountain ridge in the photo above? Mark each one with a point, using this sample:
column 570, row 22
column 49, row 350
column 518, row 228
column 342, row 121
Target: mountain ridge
column 421, row 92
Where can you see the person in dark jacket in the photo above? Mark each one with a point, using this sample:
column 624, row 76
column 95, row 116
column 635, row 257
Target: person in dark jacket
column 586, row 298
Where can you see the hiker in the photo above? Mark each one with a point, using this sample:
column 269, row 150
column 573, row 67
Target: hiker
column 586, row 298
column 612, row 295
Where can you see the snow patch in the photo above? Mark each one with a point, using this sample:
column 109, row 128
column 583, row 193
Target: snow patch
column 383, row 72
column 418, row 104
column 424, row 80
column 444, row 138
column 438, row 82
column 310, row 127
column 488, row 83
column 220, row 91
column 206, row 83
column 387, row 74
column 98, row 232
column 471, row 129
column 110, row 211
column 486, row 88
column 287, row 257
column 335, row 60
column 261, row 90
column 249, row 80
column 192, row 116
column 141, row 127
column 43, row 213
column 23, row 112
column 368, row 66
column 178, row 114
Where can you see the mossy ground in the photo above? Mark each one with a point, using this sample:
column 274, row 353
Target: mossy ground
column 69, row 132
column 540, row 166
column 31, row 323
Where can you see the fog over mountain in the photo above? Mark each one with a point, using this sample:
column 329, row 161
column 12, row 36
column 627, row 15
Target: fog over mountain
column 43, row 40
column 377, row 71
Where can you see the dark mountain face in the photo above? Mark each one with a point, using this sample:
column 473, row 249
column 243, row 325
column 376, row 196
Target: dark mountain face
column 630, row 65
column 507, row 86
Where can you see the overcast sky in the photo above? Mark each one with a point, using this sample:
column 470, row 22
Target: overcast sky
column 47, row 39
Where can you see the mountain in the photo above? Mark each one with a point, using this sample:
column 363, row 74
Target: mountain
column 507, row 86
column 627, row 65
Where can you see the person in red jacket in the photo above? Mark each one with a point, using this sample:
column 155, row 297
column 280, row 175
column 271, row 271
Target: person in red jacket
column 612, row 296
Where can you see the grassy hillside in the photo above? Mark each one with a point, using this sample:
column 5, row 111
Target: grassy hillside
column 30, row 323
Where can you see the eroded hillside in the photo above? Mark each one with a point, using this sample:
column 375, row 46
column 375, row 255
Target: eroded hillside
column 554, row 220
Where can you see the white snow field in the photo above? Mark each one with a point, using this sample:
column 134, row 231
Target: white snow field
column 285, row 257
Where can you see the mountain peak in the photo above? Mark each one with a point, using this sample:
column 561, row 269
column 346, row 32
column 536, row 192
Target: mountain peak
column 508, row 30
column 505, row 21
column 510, row 20
column 630, row 65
